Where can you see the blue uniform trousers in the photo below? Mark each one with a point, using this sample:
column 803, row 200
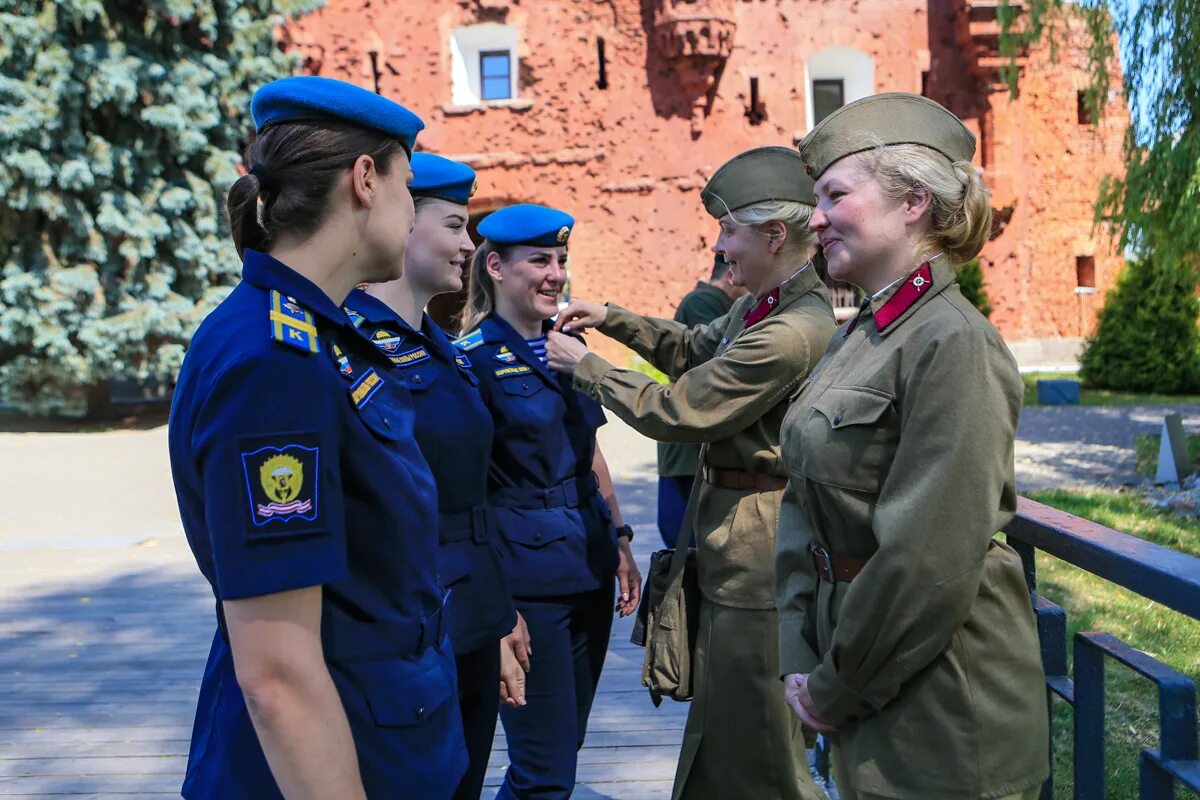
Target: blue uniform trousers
column 569, row 635
column 673, row 492
column 479, row 697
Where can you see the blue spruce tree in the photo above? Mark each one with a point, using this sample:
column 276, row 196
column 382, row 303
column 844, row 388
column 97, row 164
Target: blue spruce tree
column 121, row 129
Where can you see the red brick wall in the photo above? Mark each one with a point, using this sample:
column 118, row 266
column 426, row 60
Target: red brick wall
column 628, row 161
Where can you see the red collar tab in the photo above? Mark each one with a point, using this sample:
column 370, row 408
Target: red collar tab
column 762, row 308
column 917, row 284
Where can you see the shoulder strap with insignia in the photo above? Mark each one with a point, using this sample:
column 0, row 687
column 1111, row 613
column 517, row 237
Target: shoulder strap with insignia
column 470, row 341
column 292, row 324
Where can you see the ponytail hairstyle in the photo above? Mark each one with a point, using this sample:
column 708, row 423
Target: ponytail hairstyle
column 481, row 292
column 960, row 210
column 294, row 167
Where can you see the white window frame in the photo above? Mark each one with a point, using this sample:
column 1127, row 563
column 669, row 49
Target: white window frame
column 465, row 46
column 854, row 68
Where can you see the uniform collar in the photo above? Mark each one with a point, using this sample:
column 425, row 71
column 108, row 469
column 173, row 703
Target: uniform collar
column 500, row 331
column 891, row 307
column 268, row 272
column 800, row 283
column 377, row 312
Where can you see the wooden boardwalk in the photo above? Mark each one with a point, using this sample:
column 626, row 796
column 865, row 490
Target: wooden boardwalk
column 102, row 646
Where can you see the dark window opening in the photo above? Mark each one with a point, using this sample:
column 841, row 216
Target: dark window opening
column 827, row 96
column 925, row 83
column 1085, row 272
column 602, row 79
column 495, row 75
column 757, row 112
column 1083, row 112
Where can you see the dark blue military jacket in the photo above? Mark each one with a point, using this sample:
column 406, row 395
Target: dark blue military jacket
column 295, row 465
column 454, row 430
column 556, row 530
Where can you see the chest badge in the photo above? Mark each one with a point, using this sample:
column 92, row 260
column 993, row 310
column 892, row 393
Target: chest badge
column 505, row 356
column 386, row 341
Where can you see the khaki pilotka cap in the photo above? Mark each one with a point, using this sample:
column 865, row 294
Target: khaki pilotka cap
column 755, row 176
column 892, row 118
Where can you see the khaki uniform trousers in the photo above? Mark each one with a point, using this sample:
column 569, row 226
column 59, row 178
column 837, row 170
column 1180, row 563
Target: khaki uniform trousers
column 741, row 739
column 849, row 794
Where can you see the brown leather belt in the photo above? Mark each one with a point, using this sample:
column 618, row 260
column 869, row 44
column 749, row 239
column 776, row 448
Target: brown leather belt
column 738, row 479
column 835, row 569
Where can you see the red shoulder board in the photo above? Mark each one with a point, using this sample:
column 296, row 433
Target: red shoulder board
column 762, row 308
column 916, row 285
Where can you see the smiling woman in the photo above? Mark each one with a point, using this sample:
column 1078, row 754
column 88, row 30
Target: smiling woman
column 554, row 508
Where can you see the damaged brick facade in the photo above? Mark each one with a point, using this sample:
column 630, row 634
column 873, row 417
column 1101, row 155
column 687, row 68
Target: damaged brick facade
column 621, row 109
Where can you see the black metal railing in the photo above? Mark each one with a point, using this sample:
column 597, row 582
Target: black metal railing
column 1157, row 573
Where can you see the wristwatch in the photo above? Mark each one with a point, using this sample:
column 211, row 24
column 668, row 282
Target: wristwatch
column 625, row 531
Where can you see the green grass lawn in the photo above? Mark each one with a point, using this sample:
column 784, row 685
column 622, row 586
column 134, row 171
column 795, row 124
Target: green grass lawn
column 1104, row 397
column 1096, row 605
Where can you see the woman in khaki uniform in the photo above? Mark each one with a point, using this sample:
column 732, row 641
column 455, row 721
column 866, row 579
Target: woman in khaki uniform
column 906, row 630
column 732, row 379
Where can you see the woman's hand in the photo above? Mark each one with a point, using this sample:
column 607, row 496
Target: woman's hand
column 512, row 677
column 515, row 650
column 564, row 352
column 629, row 579
column 795, row 692
column 580, row 314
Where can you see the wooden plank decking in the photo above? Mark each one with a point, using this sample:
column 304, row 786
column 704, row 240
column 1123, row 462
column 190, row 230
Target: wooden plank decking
column 102, row 648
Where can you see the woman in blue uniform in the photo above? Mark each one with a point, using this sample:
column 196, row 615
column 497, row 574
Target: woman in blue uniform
column 557, row 519
column 304, row 497
column 454, row 431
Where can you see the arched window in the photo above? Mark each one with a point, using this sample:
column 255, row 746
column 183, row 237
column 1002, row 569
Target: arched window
column 483, row 64
column 836, row 76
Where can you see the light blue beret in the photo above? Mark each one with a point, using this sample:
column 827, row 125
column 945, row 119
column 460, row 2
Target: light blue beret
column 308, row 98
column 527, row 224
column 435, row 176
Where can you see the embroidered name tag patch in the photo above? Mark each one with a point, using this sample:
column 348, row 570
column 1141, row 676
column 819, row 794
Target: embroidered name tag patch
column 414, row 356
column 281, row 483
column 363, row 389
column 508, row 372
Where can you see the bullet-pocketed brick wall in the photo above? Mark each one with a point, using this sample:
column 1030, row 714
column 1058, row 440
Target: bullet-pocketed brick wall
column 627, row 151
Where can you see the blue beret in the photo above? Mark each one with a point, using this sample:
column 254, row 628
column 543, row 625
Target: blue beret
column 434, row 176
column 308, row 98
column 527, row 224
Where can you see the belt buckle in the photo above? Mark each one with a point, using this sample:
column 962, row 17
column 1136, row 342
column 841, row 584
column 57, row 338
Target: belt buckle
column 823, row 562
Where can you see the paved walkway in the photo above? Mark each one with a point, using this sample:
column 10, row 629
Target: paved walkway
column 105, row 623
column 1087, row 446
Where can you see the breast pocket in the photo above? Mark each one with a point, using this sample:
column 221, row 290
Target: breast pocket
column 523, row 386
column 418, row 379
column 849, row 438
column 383, row 406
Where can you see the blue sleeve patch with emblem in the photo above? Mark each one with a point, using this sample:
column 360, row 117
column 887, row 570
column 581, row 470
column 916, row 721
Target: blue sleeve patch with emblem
column 470, row 341
column 292, row 324
column 282, row 475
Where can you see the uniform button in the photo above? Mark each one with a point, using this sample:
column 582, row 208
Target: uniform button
column 837, row 420
column 387, row 424
column 420, row 713
column 537, row 537
column 524, row 385
column 416, row 378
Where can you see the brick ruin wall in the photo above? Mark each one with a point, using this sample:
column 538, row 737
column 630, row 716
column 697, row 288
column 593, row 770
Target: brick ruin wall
column 628, row 160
